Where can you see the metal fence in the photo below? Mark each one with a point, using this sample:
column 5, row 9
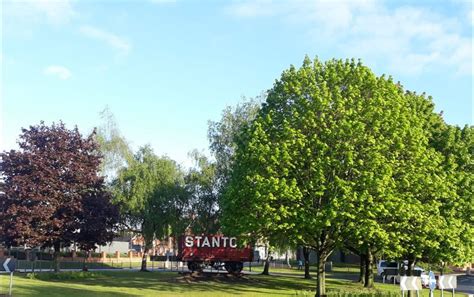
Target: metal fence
column 46, row 265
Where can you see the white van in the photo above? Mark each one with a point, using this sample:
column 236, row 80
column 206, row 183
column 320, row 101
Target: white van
column 383, row 265
column 390, row 272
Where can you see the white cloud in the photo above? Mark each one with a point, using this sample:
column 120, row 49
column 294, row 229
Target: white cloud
column 406, row 39
column 410, row 39
column 52, row 11
column 109, row 38
column 60, row 72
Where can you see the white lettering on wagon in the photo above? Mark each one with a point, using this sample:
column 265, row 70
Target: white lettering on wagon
column 210, row 241
column 216, row 242
column 234, row 244
column 205, row 242
column 189, row 241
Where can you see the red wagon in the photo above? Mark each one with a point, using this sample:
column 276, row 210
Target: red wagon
column 216, row 251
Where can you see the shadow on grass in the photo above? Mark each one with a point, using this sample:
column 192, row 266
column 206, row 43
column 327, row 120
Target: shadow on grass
column 38, row 265
column 167, row 283
column 48, row 289
column 134, row 283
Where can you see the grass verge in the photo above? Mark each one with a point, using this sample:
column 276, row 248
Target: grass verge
column 132, row 283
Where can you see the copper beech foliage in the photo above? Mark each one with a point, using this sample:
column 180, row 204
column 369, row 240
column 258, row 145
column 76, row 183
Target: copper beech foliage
column 52, row 193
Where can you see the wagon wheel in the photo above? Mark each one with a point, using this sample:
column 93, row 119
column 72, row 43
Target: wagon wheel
column 229, row 267
column 234, row 267
column 194, row 266
column 238, row 267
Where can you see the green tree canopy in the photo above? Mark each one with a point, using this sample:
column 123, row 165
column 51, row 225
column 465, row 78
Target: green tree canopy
column 456, row 239
column 201, row 185
column 222, row 134
column 150, row 193
column 334, row 148
column 113, row 146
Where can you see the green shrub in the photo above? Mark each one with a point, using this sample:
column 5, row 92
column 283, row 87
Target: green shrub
column 47, row 276
column 81, row 254
column 362, row 294
column 350, row 294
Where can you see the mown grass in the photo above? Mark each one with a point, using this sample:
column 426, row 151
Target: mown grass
column 346, row 269
column 46, row 265
column 132, row 283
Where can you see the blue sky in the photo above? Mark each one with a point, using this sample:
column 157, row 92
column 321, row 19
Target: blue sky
column 167, row 67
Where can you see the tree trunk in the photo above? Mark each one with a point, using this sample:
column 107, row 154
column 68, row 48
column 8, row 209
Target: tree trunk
column 287, row 260
column 361, row 269
column 57, row 250
column 321, row 275
column 84, row 265
column 306, row 251
column 409, row 272
column 266, row 267
column 144, row 258
column 411, row 265
column 369, row 273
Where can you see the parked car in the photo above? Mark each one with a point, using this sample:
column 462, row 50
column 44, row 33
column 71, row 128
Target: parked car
column 391, row 271
column 422, row 274
column 383, row 265
column 425, row 279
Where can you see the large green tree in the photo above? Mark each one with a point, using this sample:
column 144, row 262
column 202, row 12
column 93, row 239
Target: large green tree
column 201, row 186
column 380, row 223
column 457, row 246
column 438, row 222
column 150, row 193
column 332, row 142
column 223, row 138
column 456, row 145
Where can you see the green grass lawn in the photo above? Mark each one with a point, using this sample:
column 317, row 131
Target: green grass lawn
column 121, row 263
column 130, row 283
column 349, row 270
